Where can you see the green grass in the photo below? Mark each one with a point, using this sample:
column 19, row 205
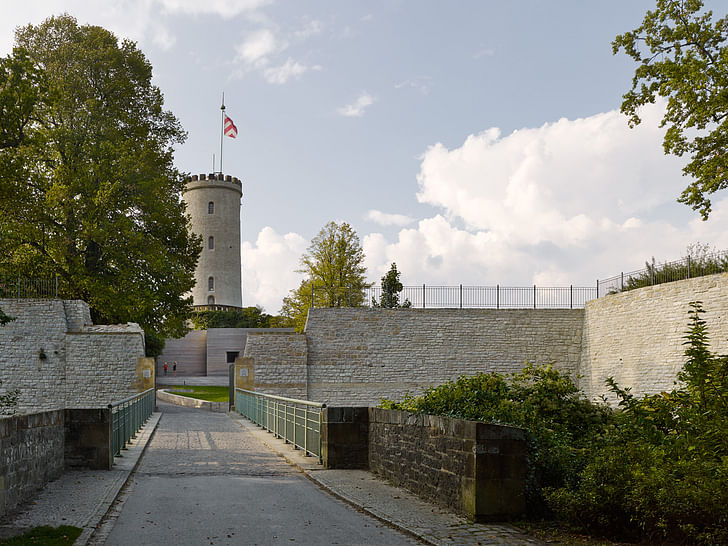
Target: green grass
column 52, row 536
column 209, row 393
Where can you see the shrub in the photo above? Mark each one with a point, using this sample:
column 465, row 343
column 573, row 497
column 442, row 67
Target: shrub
column 546, row 402
column 661, row 473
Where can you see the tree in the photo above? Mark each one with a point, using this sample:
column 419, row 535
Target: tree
column 335, row 274
column 93, row 196
column 683, row 57
column 247, row 317
column 391, row 287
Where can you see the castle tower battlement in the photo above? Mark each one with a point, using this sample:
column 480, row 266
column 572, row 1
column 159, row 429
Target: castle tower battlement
column 213, row 203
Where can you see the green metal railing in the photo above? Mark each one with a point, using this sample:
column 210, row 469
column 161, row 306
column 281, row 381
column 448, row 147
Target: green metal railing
column 128, row 416
column 298, row 422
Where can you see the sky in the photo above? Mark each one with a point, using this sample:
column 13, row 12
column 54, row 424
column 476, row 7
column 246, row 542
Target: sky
column 476, row 142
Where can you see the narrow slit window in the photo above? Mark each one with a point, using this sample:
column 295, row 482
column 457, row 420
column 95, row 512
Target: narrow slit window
column 211, row 284
column 211, row 243
column 211, row 208
column 210, row 300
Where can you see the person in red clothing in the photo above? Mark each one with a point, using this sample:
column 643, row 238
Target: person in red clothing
column 166, row 365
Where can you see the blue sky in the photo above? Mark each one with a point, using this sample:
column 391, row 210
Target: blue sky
column 474, row 142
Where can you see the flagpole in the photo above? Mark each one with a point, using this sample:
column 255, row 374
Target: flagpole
column 222, row 127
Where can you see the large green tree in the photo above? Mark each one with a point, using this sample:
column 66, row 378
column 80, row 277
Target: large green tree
column 335, row 276
column 90, row 192
column 683, row 57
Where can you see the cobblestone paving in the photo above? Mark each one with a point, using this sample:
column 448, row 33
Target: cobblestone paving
column 205, row 480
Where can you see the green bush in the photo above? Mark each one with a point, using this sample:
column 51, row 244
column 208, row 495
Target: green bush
column 560, row 423
column 661, row 472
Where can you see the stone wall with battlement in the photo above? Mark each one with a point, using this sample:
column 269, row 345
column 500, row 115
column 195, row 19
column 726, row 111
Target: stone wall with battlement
column 57, row 358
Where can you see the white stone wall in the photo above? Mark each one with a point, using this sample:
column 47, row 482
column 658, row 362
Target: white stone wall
column 38, row 325
column 57, row 359
column 279, row 362
column 357, row 356
column 637, row 336
column 101, row 364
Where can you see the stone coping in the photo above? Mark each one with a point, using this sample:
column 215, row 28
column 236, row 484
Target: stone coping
column 165, row 396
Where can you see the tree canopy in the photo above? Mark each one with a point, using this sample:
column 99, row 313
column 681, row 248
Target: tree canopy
column 247, row 317
column 334, row 274
column 683, row 57
column 88, row 189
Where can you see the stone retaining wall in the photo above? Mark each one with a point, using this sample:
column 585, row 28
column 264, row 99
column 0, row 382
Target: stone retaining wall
column 637, row 336
column 356, row 356
column 56, row 358
column 475, row 469
column 171, row 398
column 280, row 362
column 31, row 455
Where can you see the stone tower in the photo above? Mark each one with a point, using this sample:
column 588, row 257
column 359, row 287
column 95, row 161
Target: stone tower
column 213, row 202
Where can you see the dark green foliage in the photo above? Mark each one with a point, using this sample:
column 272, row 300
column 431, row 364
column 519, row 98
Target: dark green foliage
column 153, row 343
column 560, row 422
column 683, row 57
column 4, row 319
column 661, row 472
column 248, row 317
column 699, row 260
column 88, row 189
column 8, row 401
column 391, row 287
column 46, row 535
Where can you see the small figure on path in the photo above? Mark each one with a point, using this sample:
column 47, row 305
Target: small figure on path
column 166, row 365
column 174, row 368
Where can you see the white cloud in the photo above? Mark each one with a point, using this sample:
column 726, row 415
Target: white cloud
column 485, row 52
column 386, row 219
column 269, row 267
column 139, row 20
column 257, row 48
column 356, row 109
column 289, row 69
column 310, row 28
column 223, row 8
column 422, row 84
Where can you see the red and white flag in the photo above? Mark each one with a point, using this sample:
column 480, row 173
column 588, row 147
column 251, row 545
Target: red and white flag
column 229, row 127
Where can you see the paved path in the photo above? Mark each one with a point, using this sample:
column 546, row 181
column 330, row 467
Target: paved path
column 204, row 479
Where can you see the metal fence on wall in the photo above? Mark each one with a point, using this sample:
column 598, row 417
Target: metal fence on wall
column 461, row 297
column 659, row 273
column 22, row 288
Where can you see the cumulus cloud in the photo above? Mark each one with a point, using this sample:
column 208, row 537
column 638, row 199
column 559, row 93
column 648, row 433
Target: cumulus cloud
column 386, row 219
column 565, row 203
column 356, row 109
column 269, row 267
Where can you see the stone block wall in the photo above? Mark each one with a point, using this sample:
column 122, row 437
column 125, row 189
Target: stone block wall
column 56, row 358
column 476, row 469
column 31, row 455
column 356, row 356
column 87, row 440
column 345, row 437
column 637, row 336
column 101, row 364
column 279, row 361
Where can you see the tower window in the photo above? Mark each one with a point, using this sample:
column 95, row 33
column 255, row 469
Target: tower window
column 211, row 242
column 210, row 300
column 211, row 284
column 211, row 208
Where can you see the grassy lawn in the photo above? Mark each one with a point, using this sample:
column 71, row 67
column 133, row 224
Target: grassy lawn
column 209, row 393
column 65, row 534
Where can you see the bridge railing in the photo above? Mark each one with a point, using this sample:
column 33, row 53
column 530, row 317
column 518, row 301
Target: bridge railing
column 128, row 416
column 298, row 422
